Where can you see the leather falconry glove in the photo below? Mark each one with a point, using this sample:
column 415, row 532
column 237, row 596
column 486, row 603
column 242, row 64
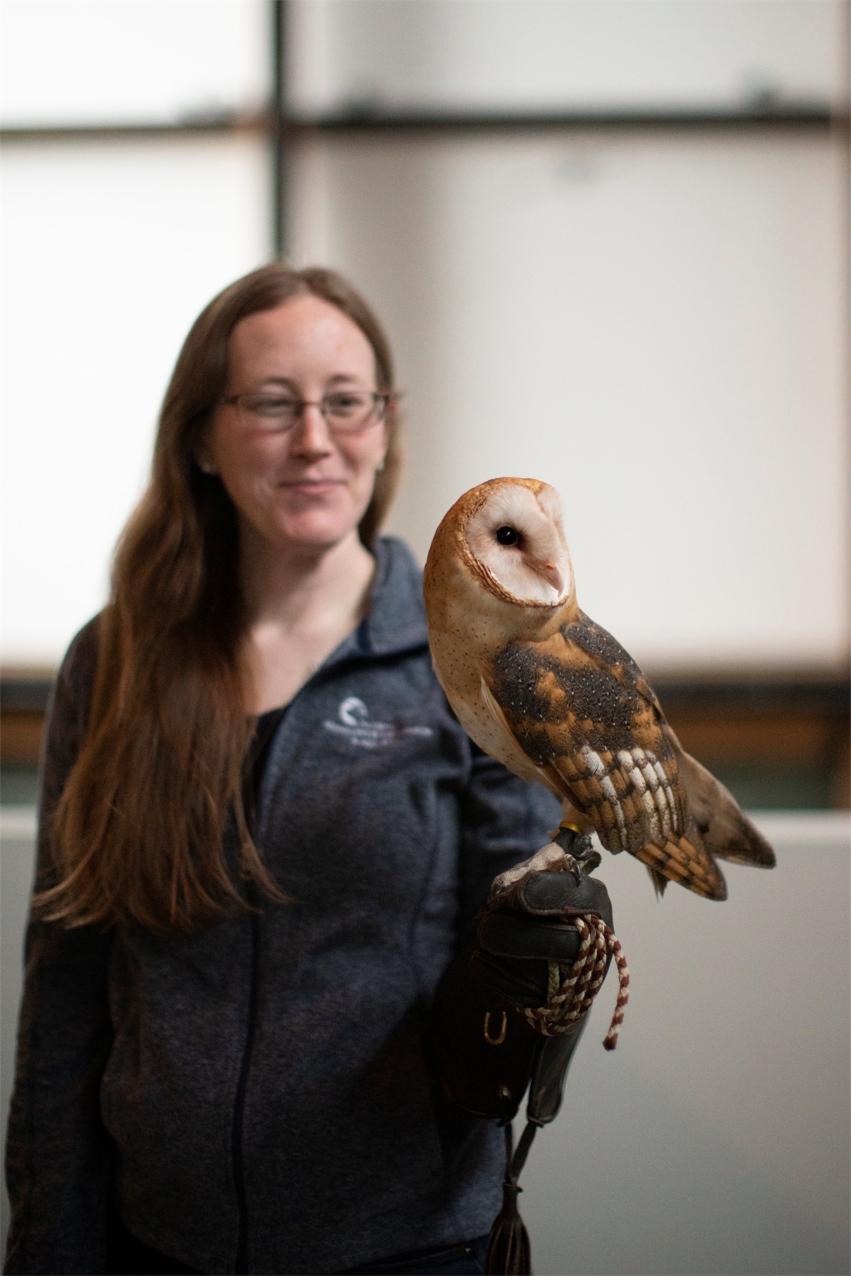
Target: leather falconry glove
column 489, row 1031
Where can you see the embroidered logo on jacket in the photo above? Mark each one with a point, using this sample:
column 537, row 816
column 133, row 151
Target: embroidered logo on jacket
column 355, row 724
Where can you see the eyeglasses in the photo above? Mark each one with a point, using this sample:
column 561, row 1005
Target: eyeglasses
column 344, row 412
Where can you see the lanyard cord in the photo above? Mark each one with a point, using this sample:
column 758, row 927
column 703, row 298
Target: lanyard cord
column 572, row 989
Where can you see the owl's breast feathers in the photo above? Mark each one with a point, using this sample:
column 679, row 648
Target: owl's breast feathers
column 583, row 711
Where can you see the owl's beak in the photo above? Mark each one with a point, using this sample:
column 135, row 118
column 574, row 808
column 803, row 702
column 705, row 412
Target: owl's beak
column 552, row 575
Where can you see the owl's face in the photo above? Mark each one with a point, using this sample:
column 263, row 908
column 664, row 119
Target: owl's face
column 516, row 541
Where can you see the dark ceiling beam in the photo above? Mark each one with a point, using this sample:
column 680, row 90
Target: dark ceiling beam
column 28, row 691
column 277, row 128
column 218, row 125
column 281, row 126
column 419, row 121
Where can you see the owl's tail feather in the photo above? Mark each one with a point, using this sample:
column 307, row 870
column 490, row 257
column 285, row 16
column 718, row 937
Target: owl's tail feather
column 681, row 861
column 659, row 882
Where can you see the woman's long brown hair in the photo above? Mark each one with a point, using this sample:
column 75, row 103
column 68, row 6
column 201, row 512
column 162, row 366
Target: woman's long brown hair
column 138, row 830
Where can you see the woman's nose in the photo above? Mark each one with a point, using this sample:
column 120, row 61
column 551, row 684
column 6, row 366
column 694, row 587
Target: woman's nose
column 310, row 434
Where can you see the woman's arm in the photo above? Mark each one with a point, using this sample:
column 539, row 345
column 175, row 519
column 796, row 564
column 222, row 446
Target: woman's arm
column 484, row 1050
column 59, row 1155
column 503, row 820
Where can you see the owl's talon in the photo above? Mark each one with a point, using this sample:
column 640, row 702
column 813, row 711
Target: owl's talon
column 570, row 865
column 590, row 860
column 578, row 847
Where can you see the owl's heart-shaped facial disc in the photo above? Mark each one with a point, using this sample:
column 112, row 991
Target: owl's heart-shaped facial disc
column 517, row 536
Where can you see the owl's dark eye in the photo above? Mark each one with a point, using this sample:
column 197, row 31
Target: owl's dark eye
column 507, row 536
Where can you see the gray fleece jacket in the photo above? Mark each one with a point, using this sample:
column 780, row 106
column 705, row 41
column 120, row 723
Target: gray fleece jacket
column 257, row 1097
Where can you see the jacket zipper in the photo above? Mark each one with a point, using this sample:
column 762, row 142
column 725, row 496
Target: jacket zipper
column 251, row 796
column 241, row 1267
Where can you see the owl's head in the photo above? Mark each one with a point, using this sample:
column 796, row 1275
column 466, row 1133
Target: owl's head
column 512, row 531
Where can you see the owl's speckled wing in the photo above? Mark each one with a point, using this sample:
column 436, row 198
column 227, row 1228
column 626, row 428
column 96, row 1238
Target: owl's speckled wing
column 581, row 709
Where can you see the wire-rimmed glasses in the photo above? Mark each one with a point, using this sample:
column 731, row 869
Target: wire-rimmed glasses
column 344, row 411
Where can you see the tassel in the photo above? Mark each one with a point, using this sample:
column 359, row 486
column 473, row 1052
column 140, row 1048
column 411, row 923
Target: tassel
column 509, row 1252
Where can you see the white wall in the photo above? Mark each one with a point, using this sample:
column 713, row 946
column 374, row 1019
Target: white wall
column 715, row 1139
column 109, row 250
column 585, row 54
column 130, row 61
column 655, row 324
column 108, row 254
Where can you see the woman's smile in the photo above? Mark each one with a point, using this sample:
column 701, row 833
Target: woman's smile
column 312, row 487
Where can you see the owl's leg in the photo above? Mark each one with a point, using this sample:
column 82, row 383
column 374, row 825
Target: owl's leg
column 576, row 843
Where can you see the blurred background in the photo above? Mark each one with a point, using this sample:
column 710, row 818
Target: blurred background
column 610, row 241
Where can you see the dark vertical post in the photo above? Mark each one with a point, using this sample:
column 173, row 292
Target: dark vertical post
column 276, row 129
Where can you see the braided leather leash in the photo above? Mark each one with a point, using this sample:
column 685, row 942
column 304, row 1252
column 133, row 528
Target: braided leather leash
column 571, row 990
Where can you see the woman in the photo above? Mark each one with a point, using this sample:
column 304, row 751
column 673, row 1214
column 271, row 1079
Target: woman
column 263, row 836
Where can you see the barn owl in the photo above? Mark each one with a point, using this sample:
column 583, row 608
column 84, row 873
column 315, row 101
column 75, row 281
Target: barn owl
column 545, row 690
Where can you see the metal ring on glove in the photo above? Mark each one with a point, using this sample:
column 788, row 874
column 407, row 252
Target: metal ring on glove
column 495, row 1041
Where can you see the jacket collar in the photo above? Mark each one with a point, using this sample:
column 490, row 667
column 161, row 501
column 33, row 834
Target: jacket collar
column 396, row 621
